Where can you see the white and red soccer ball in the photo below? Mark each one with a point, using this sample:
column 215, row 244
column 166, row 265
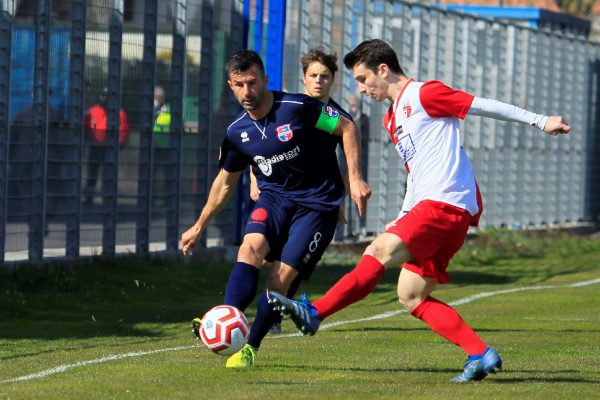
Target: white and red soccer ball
column 224, row 330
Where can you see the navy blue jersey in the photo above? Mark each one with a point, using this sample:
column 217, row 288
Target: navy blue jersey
column 289, row 152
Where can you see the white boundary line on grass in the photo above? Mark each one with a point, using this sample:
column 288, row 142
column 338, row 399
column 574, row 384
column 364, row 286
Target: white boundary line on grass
column 466, row 300
column 63, row 368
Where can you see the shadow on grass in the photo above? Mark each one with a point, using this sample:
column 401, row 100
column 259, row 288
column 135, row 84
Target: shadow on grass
column 46, row 329
column 479, row 330
column 360, row 369
column 120, row 298
column 501, row 378
column 139, row 297
column 78, row 347
column 126, row 297
column 378, row 329
column 535, row 379
column 130, row 296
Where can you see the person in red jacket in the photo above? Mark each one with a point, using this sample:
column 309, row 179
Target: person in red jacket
column 96, row 124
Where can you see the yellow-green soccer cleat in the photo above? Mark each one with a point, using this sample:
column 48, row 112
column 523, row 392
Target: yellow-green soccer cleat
column 196, row 323
column 243, row 358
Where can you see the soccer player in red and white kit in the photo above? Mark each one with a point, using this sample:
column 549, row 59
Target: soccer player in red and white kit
column 442, row 200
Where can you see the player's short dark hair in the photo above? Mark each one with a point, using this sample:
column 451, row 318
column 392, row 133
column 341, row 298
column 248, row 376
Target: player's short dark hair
column 319, row 55
column 242, row 60
column 372, row 53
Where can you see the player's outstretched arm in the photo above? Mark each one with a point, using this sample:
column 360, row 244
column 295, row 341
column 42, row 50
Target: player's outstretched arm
column 221, row 190
column 552, row 125
column 360, row 191
column 556, row 125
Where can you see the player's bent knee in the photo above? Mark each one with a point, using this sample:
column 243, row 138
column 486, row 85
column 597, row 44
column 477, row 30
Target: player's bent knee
column 277, row 285
column 377, row 249
column 247, row 250
column 279, row 279
column 388, row 249
column 251, row 254
column 408, row 302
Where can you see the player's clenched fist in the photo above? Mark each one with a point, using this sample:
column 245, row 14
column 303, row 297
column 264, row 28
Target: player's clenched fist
column 556, row 125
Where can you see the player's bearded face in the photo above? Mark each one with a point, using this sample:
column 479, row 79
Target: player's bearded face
column 248, row 87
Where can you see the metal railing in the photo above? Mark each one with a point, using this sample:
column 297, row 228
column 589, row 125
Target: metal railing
column 63, row 195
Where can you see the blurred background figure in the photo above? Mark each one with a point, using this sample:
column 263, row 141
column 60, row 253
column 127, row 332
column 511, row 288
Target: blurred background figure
column 99, row 153
column 160, row 130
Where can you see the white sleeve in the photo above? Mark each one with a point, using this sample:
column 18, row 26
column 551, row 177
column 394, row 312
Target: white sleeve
column 506, row 112
column 407, row 205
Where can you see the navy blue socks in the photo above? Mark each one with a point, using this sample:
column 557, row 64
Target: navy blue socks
column 264, row 319
column 242, row 285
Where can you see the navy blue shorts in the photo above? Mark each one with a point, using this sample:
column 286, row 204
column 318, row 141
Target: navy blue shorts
column 297, row 236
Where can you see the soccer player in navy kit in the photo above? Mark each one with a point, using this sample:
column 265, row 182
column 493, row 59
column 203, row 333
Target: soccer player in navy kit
column 286, row 138
column 318, row 74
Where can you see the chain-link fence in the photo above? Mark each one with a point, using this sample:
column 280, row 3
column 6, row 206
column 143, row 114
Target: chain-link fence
column 76, row 180
column 527, row 179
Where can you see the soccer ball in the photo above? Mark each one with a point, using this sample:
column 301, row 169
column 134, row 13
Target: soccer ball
column 224, row 330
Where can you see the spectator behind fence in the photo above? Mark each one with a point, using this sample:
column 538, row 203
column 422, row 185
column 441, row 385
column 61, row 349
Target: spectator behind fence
column 161, row 131
column 99, row 153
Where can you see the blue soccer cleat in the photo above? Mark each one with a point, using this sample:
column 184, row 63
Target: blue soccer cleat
column 478, row 367
column 302, row 313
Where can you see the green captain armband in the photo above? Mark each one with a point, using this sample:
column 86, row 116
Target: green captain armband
column 328, row 120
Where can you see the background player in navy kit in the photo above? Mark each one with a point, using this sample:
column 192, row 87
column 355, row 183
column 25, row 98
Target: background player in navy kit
column 318, row 74
column 284, row 138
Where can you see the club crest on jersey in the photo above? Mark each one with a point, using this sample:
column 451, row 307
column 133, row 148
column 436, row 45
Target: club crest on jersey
column 407, row 110
column 332, row 112
column 284, row 132
column 244, row 137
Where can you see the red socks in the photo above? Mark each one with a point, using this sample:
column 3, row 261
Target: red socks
column 440, row 317
column 352, row 287
column 446, row 322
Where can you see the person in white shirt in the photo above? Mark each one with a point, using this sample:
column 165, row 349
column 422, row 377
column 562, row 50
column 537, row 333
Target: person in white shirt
column 441, row 202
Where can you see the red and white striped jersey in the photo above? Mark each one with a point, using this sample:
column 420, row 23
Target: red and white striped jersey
column 424, row 127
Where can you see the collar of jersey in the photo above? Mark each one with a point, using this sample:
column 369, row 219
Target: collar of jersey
column 411, row 80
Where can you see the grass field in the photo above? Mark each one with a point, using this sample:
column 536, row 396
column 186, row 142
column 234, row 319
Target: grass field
column 120, row 330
